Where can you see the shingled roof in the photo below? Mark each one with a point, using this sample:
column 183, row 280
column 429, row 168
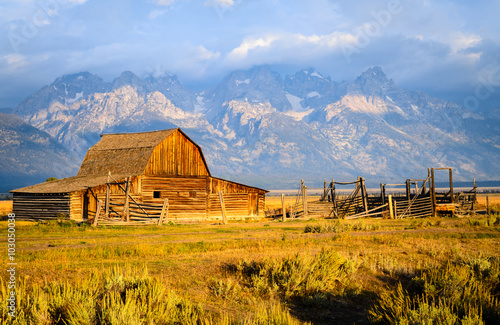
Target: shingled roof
column 67, row 185
column 124, row 153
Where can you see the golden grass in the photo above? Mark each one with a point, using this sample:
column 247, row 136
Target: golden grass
column 273, row 202
column 189, row 259
column 5, row 207
column 493, row 198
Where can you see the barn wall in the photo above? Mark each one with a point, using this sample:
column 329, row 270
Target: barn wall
column 187, row 196
column 117, row 196
column 38, row 206
column 76, row 205
column 176, row 156
column 240, row 200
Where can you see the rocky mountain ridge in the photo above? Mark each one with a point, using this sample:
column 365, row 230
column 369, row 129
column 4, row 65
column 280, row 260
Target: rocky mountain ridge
column 267, row 130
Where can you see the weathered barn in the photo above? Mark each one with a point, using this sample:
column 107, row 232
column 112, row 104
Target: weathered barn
column 132, row 174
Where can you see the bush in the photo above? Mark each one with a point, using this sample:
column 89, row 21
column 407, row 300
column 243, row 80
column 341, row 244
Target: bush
column 114, row 296
column 340, row 226
column 465, row 293
column 297, row 276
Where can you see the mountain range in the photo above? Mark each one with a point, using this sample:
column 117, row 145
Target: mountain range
column 261, row 128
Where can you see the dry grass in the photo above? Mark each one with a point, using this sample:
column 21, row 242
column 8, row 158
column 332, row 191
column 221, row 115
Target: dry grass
column 195, row 261
column 5, row 207
column 273, row 202
column 493, row 198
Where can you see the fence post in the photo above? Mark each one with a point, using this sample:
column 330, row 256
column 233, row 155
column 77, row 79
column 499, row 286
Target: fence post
column 451, row 186
column 395, row 209
column 487, row 205
column 364, row 193
column 98, row 211
column 106, row 207
column 164, row 211
column 126, row 206
column 391, row 211
column 304, row 199
column 433, row 193
column 223, row 207
column 324, row 190
column 382, row 193
column 283, row 207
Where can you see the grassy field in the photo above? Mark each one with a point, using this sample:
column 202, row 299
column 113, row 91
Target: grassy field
column 5, row 207
column 411, row 271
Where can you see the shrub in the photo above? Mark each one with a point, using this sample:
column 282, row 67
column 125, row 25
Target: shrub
column 465, row 292
column 297, row 276
column 113, row 296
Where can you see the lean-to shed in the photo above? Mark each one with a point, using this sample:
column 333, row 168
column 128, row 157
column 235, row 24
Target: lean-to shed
column 132, row 174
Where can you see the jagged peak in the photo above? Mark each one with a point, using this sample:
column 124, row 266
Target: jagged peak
column 127, row 78
column 83, row 75
column 374, row 73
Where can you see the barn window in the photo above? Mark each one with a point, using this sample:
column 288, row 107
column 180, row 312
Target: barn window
column 192, row 194
column 156, row 194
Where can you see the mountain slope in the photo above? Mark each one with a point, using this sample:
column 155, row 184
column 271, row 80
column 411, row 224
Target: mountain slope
column 266, row 130
column 30, row 155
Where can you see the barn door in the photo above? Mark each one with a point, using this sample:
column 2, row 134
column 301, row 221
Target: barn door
column 85, row 208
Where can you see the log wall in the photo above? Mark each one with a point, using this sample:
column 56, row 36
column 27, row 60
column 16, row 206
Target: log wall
column 40, row 206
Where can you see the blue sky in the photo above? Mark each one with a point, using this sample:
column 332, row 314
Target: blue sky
column 448, row 48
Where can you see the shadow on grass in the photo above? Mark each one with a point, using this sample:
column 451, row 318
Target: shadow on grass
column 329, row 309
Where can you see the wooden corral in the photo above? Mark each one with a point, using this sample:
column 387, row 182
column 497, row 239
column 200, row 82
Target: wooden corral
column 141, row 177
column 416, row 198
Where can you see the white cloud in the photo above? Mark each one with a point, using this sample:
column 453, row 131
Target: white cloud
column 288, row 45
column 460, row 41
column 13, row 61
column 241, row 51
column 206, row 55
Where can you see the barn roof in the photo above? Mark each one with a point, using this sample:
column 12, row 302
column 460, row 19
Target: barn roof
column 67, row 185
column 125, row 153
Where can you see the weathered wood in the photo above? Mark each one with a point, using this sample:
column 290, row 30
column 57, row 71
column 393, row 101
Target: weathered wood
column 408, row 190
column 97, row 213
column 487, row 205
column 324, row 191
column 223, row 207
column 106, row 206
column 304, row 199
column 364, row 194
column 368, row 213
column 433, row 191
column 177, row 155
column 395, row 209
column 127, row 200
column 451, row 186
column 164, row 212
column 391, row 209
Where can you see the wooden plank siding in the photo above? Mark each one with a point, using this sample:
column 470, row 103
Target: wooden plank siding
column 187, row 196
column 40, row 206
column 76, row 206
column 176, row 155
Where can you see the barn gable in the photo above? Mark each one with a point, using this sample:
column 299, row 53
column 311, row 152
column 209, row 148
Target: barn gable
column 167, row 152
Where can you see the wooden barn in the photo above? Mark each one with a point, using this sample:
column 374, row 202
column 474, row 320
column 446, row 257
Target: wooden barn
column 140, row 177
